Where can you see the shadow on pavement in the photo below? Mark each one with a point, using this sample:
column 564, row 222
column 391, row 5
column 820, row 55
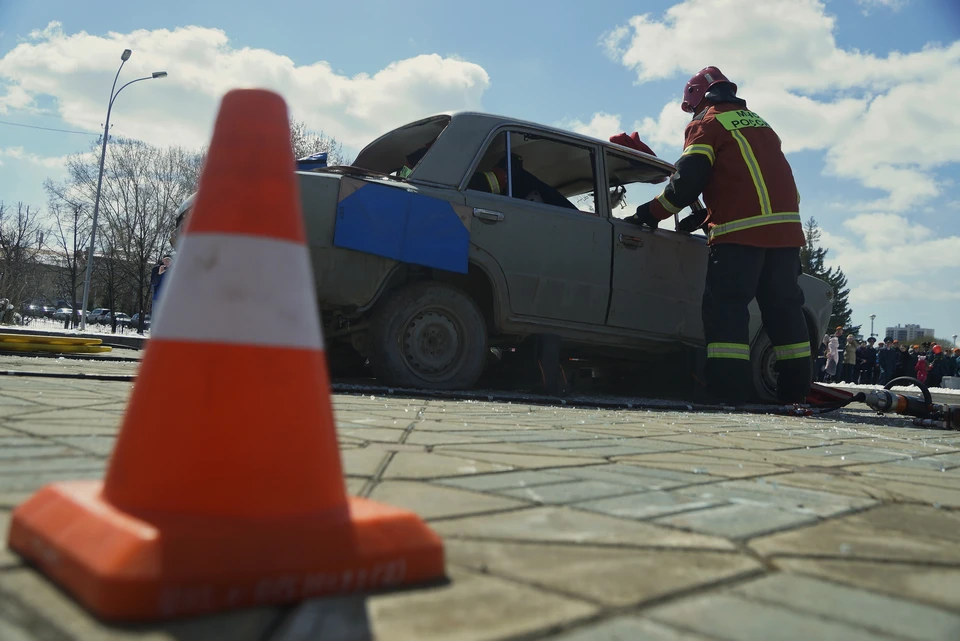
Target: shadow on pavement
column 333, row 619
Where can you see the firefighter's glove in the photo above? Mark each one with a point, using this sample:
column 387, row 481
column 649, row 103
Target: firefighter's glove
column 693, row 222
column 643, row 217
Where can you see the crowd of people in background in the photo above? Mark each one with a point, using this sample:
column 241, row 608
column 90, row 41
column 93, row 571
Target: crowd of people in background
column 864, row 363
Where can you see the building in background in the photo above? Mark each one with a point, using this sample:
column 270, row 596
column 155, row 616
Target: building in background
column 908, row 332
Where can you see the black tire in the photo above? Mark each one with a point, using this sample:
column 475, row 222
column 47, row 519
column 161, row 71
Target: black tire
column 763, row 360
column 764, row 375
column 428, row 335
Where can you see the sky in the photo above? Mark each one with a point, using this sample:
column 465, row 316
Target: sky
column 865, row 95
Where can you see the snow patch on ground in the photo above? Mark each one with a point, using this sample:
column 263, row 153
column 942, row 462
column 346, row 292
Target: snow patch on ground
column 50, row 325
column 898, row 388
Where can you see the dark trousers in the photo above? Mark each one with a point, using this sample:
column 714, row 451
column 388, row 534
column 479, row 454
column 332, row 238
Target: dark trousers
column 736, row 274
column 848, row 373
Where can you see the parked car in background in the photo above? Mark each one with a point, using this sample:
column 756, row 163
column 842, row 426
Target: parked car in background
column 39, row 311
column 62, row 314
column 107, row 319
column 93, row 314
column 464, row 232
column 98, row 318
column 135, row 321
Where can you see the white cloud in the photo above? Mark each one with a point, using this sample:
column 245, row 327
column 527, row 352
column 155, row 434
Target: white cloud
column 48, row 162
column 655, row 133
column 901, row 138
column 893, row 5
column 874, row 116
column 666, row 130
column 202, row 64
column 900, row 291
column 602, row 126
column 15, row 98
column 888, row 258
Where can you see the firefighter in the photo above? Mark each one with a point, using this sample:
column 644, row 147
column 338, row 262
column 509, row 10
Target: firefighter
column 493, row 181
column 733, row 157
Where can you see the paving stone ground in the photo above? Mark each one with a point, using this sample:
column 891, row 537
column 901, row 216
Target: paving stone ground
column 564, row 523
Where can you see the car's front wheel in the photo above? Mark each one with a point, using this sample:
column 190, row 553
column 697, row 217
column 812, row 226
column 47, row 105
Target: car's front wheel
column 428, row 335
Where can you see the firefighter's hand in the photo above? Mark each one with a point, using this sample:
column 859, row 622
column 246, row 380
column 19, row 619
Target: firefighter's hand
column 692, row 222
column 643, row 217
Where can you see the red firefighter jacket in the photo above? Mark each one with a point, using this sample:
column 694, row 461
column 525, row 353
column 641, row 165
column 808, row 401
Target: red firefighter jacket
column 733, row 157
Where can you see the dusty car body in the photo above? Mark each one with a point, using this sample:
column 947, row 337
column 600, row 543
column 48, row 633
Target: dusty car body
column 421, row 266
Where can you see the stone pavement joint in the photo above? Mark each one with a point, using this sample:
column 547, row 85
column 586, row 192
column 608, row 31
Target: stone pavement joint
column 372, row 483
column 568, row 523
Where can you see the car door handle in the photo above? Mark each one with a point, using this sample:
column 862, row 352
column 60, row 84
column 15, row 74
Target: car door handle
column 487, row 214
column 632, row 242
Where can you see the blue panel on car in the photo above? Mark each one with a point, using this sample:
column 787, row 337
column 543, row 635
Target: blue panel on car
column 402, row 225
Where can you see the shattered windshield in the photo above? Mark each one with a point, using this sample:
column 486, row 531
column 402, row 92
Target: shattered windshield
column 632, row 182
column 399, row 151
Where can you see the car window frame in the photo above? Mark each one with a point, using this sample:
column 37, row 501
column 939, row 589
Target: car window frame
column 697, row 205
column 370, row 147
column 594, row 149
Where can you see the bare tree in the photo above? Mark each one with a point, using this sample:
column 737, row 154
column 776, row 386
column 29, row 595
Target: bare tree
column 21, row 239
column 142, row 188
column 145, row 187
column 306, row 142
column 169, row 178
column 111, row 275
column 69, row 237
column 192, row 167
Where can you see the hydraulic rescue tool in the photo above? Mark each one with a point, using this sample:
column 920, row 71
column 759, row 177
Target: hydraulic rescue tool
column 926, row 412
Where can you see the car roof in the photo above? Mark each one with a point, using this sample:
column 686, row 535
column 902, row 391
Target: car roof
column 505, row 120
column 473, row 128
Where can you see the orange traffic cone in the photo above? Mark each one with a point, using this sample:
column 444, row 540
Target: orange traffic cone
column 225, row 488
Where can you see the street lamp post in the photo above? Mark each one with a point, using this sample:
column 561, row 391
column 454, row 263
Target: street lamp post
column 954, row 340
column 103, row 155
column 872, row 316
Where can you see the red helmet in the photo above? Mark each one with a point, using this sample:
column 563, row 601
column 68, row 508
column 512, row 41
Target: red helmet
column 698, row 86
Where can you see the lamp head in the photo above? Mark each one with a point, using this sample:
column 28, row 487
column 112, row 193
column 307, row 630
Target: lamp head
column 125, row 55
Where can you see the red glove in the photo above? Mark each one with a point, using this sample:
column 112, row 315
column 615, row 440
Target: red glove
column 632, row 141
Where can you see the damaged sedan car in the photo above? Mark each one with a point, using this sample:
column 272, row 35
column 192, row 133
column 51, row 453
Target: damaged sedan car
column 466, row 233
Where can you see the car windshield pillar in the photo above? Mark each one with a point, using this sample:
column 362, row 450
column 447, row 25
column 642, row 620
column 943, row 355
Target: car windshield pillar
column 509, row 168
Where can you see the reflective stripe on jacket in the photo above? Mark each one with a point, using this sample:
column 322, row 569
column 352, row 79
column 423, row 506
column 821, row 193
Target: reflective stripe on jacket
column 733, row 157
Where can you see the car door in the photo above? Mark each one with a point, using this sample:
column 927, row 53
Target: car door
column 553, row 249
column 692, row 270
column 657, row 278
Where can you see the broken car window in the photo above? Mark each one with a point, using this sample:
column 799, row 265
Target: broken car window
column 539, row 169
column 632, row 182
column 401, row 148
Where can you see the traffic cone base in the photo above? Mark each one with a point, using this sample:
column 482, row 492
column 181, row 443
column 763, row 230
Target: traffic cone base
column 129, row 568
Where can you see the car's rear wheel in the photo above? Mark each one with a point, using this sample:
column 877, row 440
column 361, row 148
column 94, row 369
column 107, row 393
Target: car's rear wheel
column 428, row 335
column 764, row 361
